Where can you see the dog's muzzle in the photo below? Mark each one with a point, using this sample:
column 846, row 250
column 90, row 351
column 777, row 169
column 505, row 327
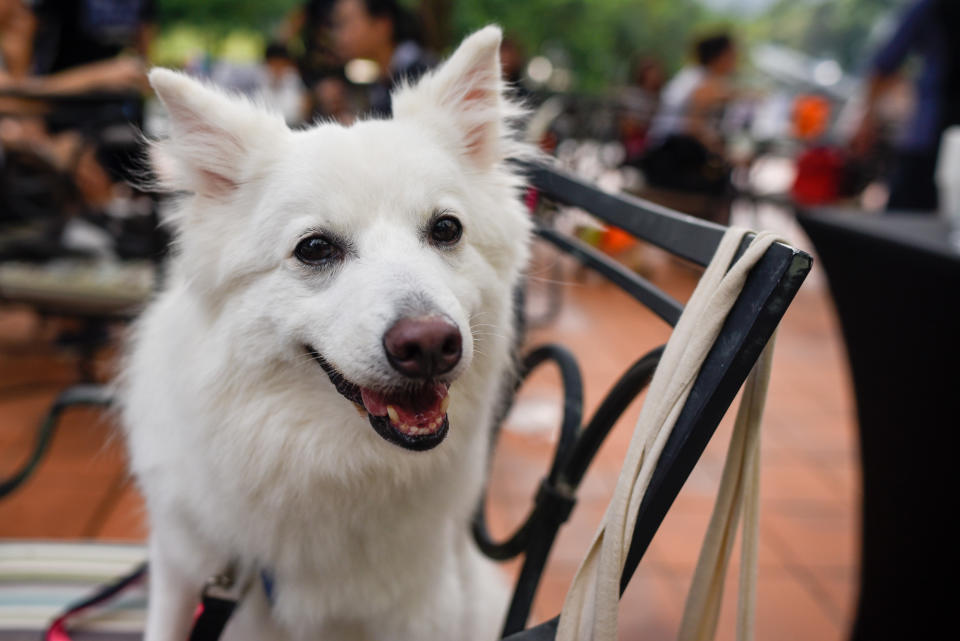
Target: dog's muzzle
column 415, row 416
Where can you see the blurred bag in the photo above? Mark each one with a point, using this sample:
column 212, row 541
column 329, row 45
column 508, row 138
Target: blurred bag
column 820, row 176
column 683, row 163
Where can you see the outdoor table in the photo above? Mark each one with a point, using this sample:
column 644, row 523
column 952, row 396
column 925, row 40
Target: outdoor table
column 895, row 280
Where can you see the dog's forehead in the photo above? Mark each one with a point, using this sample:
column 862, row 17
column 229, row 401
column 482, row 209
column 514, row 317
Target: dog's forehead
column 370, row 162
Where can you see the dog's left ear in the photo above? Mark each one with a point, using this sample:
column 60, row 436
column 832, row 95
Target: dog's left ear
column 466, row 92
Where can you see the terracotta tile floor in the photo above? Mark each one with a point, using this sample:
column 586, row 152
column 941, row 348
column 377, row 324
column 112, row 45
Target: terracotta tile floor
column 809, row 529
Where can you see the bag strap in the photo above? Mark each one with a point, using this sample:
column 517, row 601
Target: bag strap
column 591, row 606
column 738, row 496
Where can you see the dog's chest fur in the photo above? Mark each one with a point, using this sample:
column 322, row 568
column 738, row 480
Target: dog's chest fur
column 263, row 466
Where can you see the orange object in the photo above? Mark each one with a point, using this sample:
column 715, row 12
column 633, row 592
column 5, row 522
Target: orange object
column 615, row 240
column 811, row 116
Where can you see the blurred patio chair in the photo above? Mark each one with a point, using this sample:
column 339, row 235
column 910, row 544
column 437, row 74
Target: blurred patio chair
column 58, row 279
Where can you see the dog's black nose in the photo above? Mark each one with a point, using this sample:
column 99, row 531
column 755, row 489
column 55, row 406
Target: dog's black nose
column 423, row 347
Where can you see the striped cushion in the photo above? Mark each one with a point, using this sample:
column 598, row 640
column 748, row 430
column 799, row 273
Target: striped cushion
column 39, row 580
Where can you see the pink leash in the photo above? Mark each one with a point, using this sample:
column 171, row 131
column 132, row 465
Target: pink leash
column 57, row 630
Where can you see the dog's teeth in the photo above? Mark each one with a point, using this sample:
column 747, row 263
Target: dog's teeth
column 392, row 413
column 444, row 404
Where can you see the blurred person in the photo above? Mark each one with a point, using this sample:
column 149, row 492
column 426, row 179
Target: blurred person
column 384, row 32
column 119, row 74
column 77, row 47
column 513, row 61
column 331, row 100
column 693, row 101
column 281, row 88
column 274, row 82
column 71, row 33
column 686, row 140
column 309, row 29
column 928, row 28
column 639, row 102
column 16, row 31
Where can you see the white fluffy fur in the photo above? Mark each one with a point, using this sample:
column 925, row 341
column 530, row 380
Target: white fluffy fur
column 240, row 443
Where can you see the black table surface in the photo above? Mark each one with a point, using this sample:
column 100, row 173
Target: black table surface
column 923, row 233
column 895, row 281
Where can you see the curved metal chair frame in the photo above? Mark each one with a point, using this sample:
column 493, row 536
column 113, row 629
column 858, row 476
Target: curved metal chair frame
column 768, row 291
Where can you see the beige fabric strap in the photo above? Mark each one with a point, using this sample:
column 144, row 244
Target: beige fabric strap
column 590, row 609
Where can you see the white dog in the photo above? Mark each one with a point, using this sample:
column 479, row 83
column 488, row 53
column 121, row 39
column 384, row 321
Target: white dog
column 312, row 392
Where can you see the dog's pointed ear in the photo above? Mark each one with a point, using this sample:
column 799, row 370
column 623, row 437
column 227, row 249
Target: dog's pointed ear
column 467, row 93
column 213, row 137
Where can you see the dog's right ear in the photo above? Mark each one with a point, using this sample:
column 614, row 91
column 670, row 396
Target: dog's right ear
column 464, row 96
column 213, row 139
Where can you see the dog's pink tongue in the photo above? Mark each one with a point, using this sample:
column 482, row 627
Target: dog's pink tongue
column 375, row 403
column 414, row 413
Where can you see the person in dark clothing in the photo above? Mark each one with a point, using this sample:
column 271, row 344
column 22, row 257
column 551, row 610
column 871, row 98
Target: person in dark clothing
column 928, row 28
column 384, row 32
column 313, row 21
column 77, row 47
column 71, row 33
column 103, row 44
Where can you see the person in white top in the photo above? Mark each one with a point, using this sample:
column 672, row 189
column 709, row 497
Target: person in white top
column 694, row 98
column 686, row 140
column 280, row 85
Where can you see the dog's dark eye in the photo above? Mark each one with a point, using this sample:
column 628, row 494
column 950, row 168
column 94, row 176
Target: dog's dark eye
column 317, row 250
column 446, row 230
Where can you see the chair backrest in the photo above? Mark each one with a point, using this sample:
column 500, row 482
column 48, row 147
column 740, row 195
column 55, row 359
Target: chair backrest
column 768, row 291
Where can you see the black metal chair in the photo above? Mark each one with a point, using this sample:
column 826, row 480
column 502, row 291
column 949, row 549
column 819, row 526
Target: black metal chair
column 768, row 291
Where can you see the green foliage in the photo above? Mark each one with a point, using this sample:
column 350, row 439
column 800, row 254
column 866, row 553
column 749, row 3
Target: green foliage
column 838, row 29
column 595, row 39
column 221, row 16
column 600, row 38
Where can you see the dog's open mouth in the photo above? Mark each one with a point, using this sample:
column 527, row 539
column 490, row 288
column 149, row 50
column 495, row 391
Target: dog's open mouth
column 413, row 419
